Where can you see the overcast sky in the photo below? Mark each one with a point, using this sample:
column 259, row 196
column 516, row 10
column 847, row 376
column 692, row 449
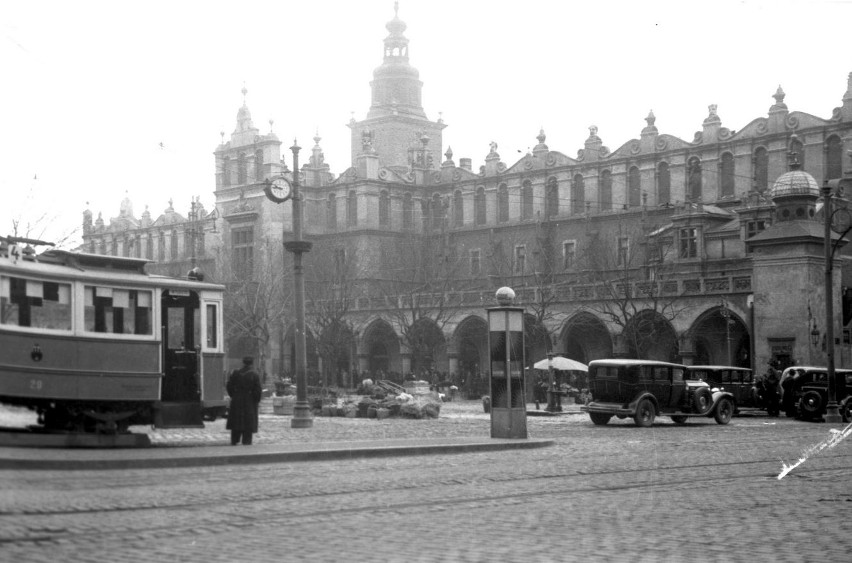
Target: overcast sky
column 91, row 89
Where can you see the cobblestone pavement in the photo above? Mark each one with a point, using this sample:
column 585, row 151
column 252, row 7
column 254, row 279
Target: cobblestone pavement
column 699, row 492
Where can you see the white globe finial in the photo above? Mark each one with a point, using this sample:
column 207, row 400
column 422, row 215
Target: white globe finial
column 505, row 296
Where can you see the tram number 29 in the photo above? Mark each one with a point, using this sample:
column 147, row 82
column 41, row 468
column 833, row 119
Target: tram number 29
column 36, row 384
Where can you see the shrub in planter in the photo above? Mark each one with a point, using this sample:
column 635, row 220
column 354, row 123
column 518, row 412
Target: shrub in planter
column 371, row 411
column 382, row 413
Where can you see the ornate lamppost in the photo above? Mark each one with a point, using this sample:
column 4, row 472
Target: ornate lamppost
column 842, row 224
column 279, row 191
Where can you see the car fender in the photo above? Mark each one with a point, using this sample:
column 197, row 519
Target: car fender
column 644, row 395
column 718, row 395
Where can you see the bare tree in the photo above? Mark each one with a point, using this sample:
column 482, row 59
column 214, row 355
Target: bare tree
column 258, row 296
column 527, row 261
column 633, row 291
column 334, row 284
column 423, row 279
column 37, row 221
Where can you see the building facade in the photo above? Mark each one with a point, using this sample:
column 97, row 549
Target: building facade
column 707, row 250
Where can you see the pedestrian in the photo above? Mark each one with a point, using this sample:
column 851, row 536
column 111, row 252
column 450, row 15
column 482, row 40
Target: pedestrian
column 771, row 382
column 244, row 389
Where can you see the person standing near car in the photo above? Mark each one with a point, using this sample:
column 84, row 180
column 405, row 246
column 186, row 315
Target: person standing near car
column 245, row 391
column 771, row 381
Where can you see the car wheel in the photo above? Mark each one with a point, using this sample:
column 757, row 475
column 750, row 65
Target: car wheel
column 702, row 400
column 679, row 419
column 724, row 411
column 810, row 404
column 600, row 418
column 645, row 413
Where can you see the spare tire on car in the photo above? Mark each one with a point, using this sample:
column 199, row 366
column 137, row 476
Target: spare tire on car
column 702, row 400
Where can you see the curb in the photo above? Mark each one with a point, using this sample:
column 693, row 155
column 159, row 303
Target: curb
column 173, row 457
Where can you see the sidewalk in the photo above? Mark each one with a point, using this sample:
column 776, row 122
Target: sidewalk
column 462, row 427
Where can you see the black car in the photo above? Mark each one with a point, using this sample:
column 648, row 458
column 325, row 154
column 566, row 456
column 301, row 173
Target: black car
column 738, row 381
column 804, row 392
column 643, row 389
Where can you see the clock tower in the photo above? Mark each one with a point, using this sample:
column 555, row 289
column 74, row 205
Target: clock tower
column 396, row 128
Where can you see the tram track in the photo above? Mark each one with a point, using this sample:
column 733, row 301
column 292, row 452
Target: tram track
column 278, row 509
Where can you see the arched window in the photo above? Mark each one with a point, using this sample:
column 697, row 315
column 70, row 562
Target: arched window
column 634, row 187
column 479, row 206
column 241, row 169
column 664, row 184
column 761, row 169
column 174, row 246
column 437, row 211
column 527, row 200
column 384, row 208
column 798, row 148
column 226, row 171
column 551, row 198
column 258, row 165
column 833, row 158
column 606, row 191
column 407, row 212
column 726, row 168
column 458, row 209
column 503, row 203
column 693, row 179
column 331, row 213
column 578, row 194
column 352, row 209
column 149, row 249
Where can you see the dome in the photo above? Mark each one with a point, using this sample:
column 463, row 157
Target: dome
column 795, row 183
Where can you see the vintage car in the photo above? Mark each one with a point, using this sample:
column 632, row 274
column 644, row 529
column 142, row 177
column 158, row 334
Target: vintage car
column 804, row 392
column 738, row 381
column 643, row 389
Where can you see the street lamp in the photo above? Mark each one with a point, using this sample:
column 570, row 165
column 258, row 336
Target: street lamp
column 726, row 316
column 279, row 191
column 841, row 223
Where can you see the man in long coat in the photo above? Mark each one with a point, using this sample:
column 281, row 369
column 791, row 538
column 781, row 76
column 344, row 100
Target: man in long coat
column 244, row 389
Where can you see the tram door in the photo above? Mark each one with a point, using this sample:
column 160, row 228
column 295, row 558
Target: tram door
column 181, row 332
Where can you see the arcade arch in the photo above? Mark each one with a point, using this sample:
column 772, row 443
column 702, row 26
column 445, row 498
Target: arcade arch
column 720, row 337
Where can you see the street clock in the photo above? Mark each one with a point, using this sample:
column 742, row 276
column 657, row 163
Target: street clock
column 278, row 190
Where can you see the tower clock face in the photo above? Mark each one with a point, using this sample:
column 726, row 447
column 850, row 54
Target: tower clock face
column 279, row 190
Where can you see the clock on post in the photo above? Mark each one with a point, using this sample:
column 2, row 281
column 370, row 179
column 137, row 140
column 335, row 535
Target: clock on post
column 278, row 190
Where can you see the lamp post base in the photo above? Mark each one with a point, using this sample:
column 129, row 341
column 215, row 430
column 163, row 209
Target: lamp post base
column 832, row 413
column 301, row 416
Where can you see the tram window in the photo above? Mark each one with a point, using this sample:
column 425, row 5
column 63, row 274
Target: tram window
column 117, row 311
column 35, row 304
column 212, row 334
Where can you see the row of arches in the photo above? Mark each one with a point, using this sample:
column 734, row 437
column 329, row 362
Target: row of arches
column 378, row 350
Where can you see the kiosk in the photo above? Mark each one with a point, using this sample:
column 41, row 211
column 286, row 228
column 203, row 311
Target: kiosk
column 506, row 349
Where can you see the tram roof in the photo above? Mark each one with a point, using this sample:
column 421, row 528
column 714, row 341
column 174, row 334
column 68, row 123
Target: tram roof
column 57, row 263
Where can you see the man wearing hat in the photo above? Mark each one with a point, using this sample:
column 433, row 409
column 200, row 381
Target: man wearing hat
column 244, row 389
column 772, row 380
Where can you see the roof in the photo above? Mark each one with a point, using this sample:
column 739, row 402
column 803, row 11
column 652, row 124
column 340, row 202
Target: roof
column 718, row 368
column 794, row 183
column 632, row 362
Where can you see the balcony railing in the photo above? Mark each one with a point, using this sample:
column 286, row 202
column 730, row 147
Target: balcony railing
column 576, row 293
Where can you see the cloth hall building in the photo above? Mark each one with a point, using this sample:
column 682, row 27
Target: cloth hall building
column 708, row 250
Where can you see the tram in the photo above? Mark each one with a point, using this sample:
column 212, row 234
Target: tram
column 94, row 343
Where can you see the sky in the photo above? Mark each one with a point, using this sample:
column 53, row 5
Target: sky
column 104, row 100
